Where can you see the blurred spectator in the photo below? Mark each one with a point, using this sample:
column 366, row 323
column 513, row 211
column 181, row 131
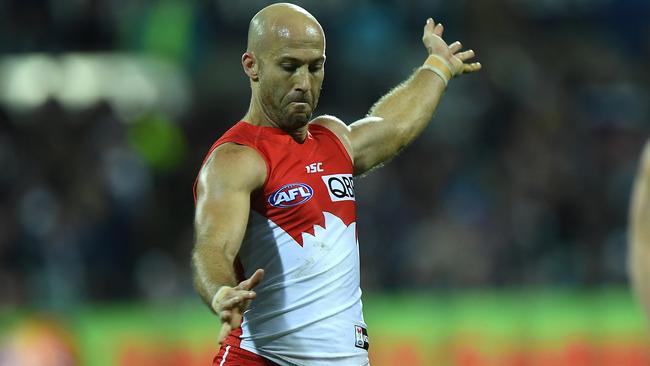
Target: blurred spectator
column 522, row 178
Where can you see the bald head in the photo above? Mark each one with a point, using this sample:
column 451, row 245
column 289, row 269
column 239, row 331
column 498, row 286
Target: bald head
column 284, row 61
column 283, row 24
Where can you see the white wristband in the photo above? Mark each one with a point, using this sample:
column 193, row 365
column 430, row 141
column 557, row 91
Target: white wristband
column 439, row 66
column 437, row 72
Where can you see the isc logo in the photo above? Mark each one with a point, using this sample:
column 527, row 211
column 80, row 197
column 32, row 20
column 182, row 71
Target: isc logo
column 339, row 186
column 291, row 195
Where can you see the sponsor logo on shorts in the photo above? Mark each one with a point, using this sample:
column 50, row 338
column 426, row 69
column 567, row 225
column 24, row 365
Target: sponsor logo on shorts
column 290, row 195
column 339, row 186
column 361, row 337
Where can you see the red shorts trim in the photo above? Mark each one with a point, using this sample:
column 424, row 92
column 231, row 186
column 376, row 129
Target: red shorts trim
column 230, row 354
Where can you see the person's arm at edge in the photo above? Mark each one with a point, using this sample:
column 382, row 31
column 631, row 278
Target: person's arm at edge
column 229, row 176
column 639, row 251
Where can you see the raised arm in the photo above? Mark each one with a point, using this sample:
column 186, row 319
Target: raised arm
column 229, row 176
column 639, row 251
column 401, row 115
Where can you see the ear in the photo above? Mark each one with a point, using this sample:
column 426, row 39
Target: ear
column 250, row 65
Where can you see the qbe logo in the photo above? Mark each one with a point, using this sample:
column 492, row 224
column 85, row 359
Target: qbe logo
column 340, row 187
column 291, row 194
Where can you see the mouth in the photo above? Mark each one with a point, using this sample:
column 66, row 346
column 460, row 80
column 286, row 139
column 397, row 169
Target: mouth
column 299, row 106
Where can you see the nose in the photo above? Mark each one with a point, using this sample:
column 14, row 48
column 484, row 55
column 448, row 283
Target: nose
column 302, row 79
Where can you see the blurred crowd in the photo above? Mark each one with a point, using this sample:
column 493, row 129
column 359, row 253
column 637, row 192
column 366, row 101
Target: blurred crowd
column 522, row 178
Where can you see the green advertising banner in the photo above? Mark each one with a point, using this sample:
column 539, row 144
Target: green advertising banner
column 477, row 328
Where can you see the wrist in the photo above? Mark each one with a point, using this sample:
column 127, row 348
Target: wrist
column 216, row 298
column 439, row 66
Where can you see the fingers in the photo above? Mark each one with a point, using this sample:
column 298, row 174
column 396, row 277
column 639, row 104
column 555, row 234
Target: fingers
column 237, row 300
column 230, row 303
column 223, row 333
column 452, row 53
column 465, row 55
column 225, row 316
column 252, row 281
column 230, row 319
column 428, row 26
column 431, row 27
column 455, row 47
column 438, row 30
column 473, row 67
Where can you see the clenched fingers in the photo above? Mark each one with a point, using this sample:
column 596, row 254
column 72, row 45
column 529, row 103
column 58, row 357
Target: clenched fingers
column 225, row 316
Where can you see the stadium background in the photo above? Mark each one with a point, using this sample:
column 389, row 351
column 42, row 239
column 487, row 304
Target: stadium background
column 497, row 238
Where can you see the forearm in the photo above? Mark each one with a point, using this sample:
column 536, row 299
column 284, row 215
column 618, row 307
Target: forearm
column 223, row 194
column 639, row 252
column 212, row 269
column 408, row 108
column 402, row 114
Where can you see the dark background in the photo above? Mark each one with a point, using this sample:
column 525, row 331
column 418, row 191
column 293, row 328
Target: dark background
column 522, row 178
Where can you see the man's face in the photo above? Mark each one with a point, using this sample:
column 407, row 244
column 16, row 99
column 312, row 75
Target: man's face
column 290, row 79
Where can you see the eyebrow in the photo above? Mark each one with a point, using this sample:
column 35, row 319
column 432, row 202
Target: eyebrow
column 297, row 60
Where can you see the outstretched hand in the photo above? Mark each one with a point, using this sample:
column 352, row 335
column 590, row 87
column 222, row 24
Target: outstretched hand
column 436, row 46
column 229, row 303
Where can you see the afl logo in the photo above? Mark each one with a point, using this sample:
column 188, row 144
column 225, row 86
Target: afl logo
column 290, row 195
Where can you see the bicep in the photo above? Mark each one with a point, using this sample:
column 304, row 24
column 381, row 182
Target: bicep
column 373, row 142
column 369, row 141
column 221, row 218
column 223, row 198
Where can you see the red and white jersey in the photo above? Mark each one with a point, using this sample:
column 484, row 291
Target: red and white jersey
column 302, row 232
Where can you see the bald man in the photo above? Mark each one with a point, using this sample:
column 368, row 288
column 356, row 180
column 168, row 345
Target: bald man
column 639, row 251
column 276, row 253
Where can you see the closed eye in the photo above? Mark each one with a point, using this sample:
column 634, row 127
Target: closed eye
column 289, row 67
column 316, row 67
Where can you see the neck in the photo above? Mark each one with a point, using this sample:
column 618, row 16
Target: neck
column 257, row 116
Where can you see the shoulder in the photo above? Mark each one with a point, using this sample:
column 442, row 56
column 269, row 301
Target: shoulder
column 232, row 166
column 332, row 123
column 337, row 127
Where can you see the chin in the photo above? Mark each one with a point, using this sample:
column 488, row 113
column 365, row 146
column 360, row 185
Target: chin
column 298, row 120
